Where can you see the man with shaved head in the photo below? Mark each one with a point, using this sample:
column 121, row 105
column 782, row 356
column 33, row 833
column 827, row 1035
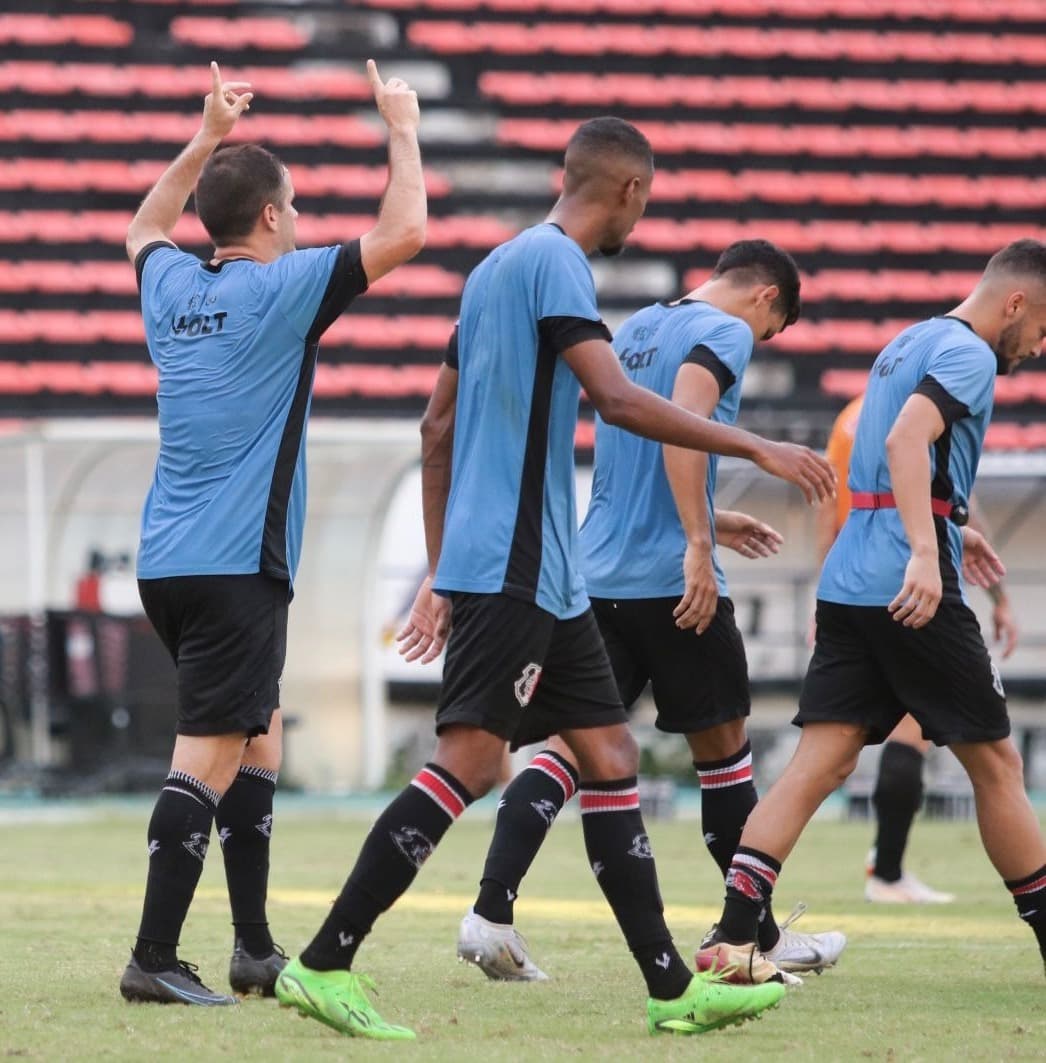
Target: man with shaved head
column 894, row 633
column 525, row 658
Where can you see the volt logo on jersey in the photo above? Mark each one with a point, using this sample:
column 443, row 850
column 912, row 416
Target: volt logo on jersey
column 199, row 324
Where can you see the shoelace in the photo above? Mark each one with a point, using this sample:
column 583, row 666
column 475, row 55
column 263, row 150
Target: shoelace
column 716, row 974
column 797, row 913
column 189, row 970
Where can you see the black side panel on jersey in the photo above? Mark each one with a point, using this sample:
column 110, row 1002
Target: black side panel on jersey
column 524, row 559
column 347, row 280
column 942, row 487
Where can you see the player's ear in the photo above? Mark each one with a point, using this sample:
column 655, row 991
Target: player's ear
column 630, row 190
column 269, row 216
column 768, row 295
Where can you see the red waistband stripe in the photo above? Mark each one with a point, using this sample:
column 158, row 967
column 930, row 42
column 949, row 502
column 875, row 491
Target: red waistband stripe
column 445, row 796
column 609, row 800
column 552, row 768
column 1030, row 887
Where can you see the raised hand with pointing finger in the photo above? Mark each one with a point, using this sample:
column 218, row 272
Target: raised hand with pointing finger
column 224, row 104
column 397, row 101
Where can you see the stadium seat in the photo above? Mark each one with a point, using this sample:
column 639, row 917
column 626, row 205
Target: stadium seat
column 90, row 31
column 267, row 34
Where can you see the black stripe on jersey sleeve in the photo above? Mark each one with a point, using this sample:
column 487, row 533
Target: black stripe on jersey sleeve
column 348, row 279
column 450, row 357
column 951, row 408
column 707, row 359
column 139, row 259
column 559, row 334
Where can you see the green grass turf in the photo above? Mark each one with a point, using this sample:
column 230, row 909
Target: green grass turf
column 962, row 982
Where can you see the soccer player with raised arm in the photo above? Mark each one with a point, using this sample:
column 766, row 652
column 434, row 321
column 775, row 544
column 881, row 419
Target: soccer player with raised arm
column 894, row 634
column 234, row 339
column 525, row 658
column 648, row 556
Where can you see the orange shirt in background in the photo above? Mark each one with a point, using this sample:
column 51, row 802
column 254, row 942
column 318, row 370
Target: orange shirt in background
column 840, row 446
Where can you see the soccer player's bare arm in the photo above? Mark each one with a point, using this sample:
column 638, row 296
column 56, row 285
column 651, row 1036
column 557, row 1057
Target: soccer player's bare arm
column 626, row 405
column 162, row 207
column 697, row 391
column 399, row 233
column 428, row 623
column 918, row 426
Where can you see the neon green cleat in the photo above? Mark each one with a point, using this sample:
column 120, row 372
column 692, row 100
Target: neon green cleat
column 336, row 998
column 709, row 1004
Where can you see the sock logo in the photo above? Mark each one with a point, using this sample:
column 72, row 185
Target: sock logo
column 527, row 683
column 510, row 896
column 743, row 883
column 641, row 847
column 546, row 810
column 413, row 844
column 663, row 961
column 154, row 846
column 265, row 827
column 597, row 868
column 197, row 845
column 224, row 835
column 710, row 838
column 345, row 940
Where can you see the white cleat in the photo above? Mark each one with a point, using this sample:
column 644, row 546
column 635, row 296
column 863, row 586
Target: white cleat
column 497, row 949
column 797, row 952
column 906, row 890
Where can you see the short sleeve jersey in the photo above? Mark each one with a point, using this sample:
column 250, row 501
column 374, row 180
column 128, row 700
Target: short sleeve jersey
column 945, row 360
column 235, row 346
column 511, row 520
column 632, row 540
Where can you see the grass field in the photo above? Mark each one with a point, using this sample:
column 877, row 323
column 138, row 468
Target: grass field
column 962, row 982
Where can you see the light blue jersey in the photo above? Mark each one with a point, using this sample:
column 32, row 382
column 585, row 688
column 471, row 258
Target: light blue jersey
column 511, row 521
column 235, row 346
column 632, row 541
column 945, row 360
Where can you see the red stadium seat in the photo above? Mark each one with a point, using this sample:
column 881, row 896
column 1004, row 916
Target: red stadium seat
column 823, row 94
column 826, row 141
column 743, row 42
column 115, row 175
column 267, row 34
column 131, row 127
column 167, row 82
column 90, row 31
column 936, row 10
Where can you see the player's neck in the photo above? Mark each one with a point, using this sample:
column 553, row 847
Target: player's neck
column 582, row 222
column 978, row 316
column 248, row 249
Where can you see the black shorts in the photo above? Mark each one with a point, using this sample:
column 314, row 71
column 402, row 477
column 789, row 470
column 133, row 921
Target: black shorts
column 228, row 638
column 698, row 681
column 868, row 669
column 515, row 670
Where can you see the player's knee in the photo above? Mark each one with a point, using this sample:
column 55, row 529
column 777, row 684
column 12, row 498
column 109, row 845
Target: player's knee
column 620, row 758
column 993, row 764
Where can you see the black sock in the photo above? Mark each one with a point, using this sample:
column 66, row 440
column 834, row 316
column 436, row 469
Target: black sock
column 398, row 844
column 179, row 831
column 1029, row 894
column 727, row 797
column 527, row 810
column 897, row 797
column 749, row 890
column 621, row 858
column 244, row 822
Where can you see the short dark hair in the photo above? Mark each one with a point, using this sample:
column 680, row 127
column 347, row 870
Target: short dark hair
column 761, row 262
column 603, row 138
column 1022, row 258
column 234, row 188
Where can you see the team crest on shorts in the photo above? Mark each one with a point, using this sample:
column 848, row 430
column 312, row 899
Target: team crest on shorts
column 527, row 683
column 997, row 680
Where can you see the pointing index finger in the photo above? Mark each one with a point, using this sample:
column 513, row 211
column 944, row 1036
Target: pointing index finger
column 216, row 79
column 373, row 76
